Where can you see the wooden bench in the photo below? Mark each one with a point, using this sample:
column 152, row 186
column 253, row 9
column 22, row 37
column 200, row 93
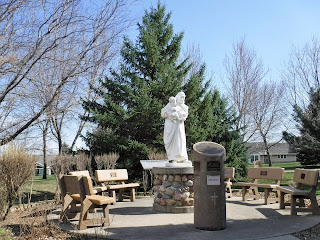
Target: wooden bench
column 302, row 177
column 116, row 175
column 228, row 175
column 96, row 190
column 250, row 189
column 78, row 189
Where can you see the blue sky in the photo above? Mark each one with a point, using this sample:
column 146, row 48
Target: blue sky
column 270, row 27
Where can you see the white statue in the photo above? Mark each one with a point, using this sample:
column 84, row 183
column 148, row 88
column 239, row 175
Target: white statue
column 174, row 137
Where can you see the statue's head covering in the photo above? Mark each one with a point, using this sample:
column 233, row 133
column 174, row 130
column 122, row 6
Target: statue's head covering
column 179, row 95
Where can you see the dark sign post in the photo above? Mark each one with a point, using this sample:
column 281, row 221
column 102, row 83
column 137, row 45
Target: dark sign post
column 209, row 188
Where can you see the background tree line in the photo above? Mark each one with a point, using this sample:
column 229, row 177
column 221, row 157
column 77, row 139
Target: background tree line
column 52, row 54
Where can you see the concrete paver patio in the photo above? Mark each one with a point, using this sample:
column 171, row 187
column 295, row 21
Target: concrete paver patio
column 245, row 220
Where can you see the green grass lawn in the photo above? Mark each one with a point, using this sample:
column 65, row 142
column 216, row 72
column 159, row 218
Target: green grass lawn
column 42, row 189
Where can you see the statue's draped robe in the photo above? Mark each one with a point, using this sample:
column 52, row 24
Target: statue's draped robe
column 174, row 136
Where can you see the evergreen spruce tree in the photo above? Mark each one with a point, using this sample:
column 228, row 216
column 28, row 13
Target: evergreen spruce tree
column 308, row 123
column 128, row 118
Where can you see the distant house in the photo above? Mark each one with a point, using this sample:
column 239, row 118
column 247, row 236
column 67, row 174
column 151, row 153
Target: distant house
column 279, row 152
column 38, row 171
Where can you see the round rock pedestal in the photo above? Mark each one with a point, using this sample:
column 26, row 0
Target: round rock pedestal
column 173, row 189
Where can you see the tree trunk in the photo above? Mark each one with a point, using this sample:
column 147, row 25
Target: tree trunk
column 44, row 138
column 267, row 150
column 60, row 143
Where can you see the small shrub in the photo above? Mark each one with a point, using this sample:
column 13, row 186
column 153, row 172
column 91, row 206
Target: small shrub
column 82, row 162
column 16, row 167
column 157, row 156
column 107, row 161
column 61, row 164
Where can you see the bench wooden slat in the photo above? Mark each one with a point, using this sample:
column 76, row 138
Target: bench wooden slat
column 80, row 173
column 111, row 175
column 127, row 185
column 228, row 175
column 261, row 185
column 292, row 191
column 266, row 173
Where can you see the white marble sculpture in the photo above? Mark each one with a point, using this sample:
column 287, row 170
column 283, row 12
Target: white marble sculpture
column 174, row 137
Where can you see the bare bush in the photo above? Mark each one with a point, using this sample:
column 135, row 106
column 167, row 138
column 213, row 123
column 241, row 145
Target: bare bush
column 61, row 164
column 147, row 177
column 157, row 156
column 16, row 167
column 82, row 162
column 107, row 161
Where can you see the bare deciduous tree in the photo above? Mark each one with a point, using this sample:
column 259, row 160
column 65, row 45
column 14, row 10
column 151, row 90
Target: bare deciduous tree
column 302, row 72
column 257, row 100
column 61, row 38
column 267, row 113
column 244, row 73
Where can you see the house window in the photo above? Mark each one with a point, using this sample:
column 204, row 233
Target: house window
column 282, row 156
column 254, row 158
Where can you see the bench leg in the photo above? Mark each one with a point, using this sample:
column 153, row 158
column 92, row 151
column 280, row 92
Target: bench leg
column 314, row 205
column 301, row 202
column 281, row 200
column 228, row 191
column 113, row 194
column 255, row 193
column 65, row 205
column 293, row 205
column 121, row 194
column 277, row 196
column 266, row 195
column 244, row 193
column 106, row 220
column 132, row 194
column 86, row 204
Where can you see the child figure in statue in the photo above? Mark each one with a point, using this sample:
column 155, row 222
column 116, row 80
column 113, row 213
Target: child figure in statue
column 174, row 137
column 173, row 115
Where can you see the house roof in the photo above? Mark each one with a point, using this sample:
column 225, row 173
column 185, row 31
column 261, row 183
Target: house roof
column 40, row 159
column 275, row 149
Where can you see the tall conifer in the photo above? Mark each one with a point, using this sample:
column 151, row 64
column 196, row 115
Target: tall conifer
column 128, row 118
column 308, row 122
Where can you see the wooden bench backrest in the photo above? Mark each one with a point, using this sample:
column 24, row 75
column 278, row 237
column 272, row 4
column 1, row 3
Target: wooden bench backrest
column 80, row 173
column 111, row 175
column 306, row 176
column 266, row 173
column 229, row 172
column 73, row 184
